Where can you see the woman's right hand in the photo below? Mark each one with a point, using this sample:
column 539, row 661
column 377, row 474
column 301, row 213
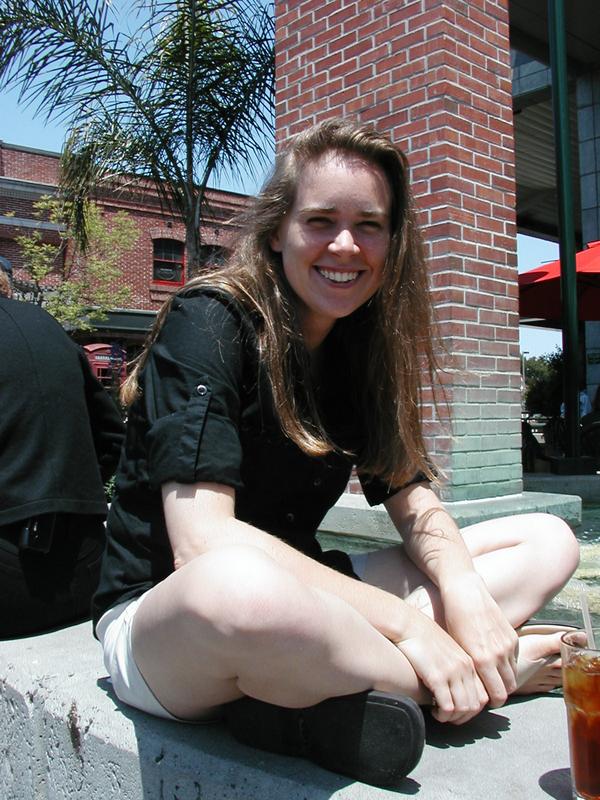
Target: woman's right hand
column 445, row 669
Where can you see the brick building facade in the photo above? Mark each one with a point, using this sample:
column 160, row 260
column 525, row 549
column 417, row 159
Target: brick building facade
column 437, row 76
column 154, row 266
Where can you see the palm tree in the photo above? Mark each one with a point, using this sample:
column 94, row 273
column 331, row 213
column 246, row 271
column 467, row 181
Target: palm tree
column 167, row 91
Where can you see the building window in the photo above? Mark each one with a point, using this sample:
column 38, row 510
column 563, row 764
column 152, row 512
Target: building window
column 169, row 261
column 212, row 256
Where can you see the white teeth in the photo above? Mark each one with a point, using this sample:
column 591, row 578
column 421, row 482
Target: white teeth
column 338, row 277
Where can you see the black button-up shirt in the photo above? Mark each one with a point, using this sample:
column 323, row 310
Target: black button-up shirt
column 205, row 413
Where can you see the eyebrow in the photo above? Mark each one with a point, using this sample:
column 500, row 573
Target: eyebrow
column 333, row 209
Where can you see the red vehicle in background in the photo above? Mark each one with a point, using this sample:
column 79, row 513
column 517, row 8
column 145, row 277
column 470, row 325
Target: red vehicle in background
column 108, row 363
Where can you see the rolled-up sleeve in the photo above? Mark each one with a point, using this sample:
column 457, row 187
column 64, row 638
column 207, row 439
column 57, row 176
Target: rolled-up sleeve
column 192, row 391
column 377, row 491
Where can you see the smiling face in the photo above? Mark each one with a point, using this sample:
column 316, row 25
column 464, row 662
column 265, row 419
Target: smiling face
column 335, row 239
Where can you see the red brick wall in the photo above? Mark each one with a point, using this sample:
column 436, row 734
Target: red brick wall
column 28, row 165
column 436, row 75
column 151, row 221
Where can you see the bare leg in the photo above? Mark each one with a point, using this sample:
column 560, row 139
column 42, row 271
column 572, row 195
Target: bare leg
column 233, row 622
column 524, row 560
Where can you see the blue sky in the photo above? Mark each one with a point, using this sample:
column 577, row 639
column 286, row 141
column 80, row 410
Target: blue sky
column 18, row 125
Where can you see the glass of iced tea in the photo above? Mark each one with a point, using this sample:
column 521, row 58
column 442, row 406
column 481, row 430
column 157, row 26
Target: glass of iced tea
column 581, row 689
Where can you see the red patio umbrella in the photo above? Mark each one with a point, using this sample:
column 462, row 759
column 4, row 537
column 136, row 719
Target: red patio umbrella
column 539, row 289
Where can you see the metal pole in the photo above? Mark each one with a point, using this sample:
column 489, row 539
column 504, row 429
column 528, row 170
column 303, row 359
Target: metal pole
column 568, row 277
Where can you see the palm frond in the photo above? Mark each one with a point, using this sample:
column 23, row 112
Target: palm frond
column 185, row 93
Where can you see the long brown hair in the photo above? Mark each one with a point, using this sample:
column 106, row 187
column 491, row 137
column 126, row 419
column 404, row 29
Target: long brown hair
column 399, row 352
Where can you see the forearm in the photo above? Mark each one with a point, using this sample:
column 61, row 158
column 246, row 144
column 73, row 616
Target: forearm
column 470, row 614
column 431, row 537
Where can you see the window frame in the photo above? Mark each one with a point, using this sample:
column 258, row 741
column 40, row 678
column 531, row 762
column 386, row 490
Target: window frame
column 167, row 261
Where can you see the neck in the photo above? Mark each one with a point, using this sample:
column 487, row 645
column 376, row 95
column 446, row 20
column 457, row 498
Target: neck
column 314, row 331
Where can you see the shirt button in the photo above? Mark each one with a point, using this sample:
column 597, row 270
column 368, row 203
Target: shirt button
column 317, row 482
column 201, row 389
column 290, row 517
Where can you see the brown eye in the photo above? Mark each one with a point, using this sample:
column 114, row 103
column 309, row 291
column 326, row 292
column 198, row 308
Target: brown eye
column 319, row 222
column 371, row 225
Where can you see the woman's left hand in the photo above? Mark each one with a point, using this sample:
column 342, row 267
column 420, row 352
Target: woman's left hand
column 476, row 623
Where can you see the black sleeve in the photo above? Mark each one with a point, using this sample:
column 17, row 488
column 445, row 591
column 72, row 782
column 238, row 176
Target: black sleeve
column 378, row 491
column 192, row 387
column 108, row 430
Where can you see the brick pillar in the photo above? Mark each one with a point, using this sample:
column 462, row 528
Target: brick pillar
column 436, row 75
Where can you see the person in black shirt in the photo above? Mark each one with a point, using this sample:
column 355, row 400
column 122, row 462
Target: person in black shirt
column 60, row 438
column 262, row 385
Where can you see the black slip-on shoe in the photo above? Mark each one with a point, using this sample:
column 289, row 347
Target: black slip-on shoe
column 373, row 737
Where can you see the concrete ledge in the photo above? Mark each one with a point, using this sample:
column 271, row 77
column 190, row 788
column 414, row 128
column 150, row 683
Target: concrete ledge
column 352, row 516
column 586, row 486
column 64, row 735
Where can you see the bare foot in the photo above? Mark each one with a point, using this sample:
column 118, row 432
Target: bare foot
column 538, row 664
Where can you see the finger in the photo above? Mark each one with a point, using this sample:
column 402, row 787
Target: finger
column 442, row 705
column 462, row 719
column 482, row 696
column 477, row 698
column 507, row 672
column 459, row 715
column 468, row 698
column 494, row 686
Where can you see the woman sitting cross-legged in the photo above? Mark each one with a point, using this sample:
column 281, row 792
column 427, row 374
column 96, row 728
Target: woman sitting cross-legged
column 263, row 384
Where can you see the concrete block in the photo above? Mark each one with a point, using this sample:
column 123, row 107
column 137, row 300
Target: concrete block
column 352, row 517
column 22, row 757
column 467, row 444
column 500, row 474
column 587, row 487
column 466, row 411
column 92, row 747
column 496, row 411
column 509, row 441
column 486, row 458
column 489, row 490
column 470, row 477
column 484, row 426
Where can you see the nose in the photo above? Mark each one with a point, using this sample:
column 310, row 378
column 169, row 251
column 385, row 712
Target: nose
column 344, row 243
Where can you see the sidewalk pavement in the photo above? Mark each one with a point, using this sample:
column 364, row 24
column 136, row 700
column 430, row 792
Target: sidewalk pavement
column 64, row 735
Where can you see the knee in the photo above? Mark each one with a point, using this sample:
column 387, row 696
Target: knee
column 567, row 545
column 242, row 593
column 558, row 547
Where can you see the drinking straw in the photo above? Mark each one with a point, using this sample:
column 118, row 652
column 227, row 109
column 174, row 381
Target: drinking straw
column 587, row 620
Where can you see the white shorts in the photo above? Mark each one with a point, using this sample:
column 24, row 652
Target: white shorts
column 114, row 632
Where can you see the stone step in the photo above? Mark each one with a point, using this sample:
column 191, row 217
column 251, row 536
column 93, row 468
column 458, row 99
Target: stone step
column 63, row 735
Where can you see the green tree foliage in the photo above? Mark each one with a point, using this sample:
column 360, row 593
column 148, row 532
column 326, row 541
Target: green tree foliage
column 544, row 384
column 173, row 91
column 77, row 288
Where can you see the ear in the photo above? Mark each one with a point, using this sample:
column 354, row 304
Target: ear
column 275, row 242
